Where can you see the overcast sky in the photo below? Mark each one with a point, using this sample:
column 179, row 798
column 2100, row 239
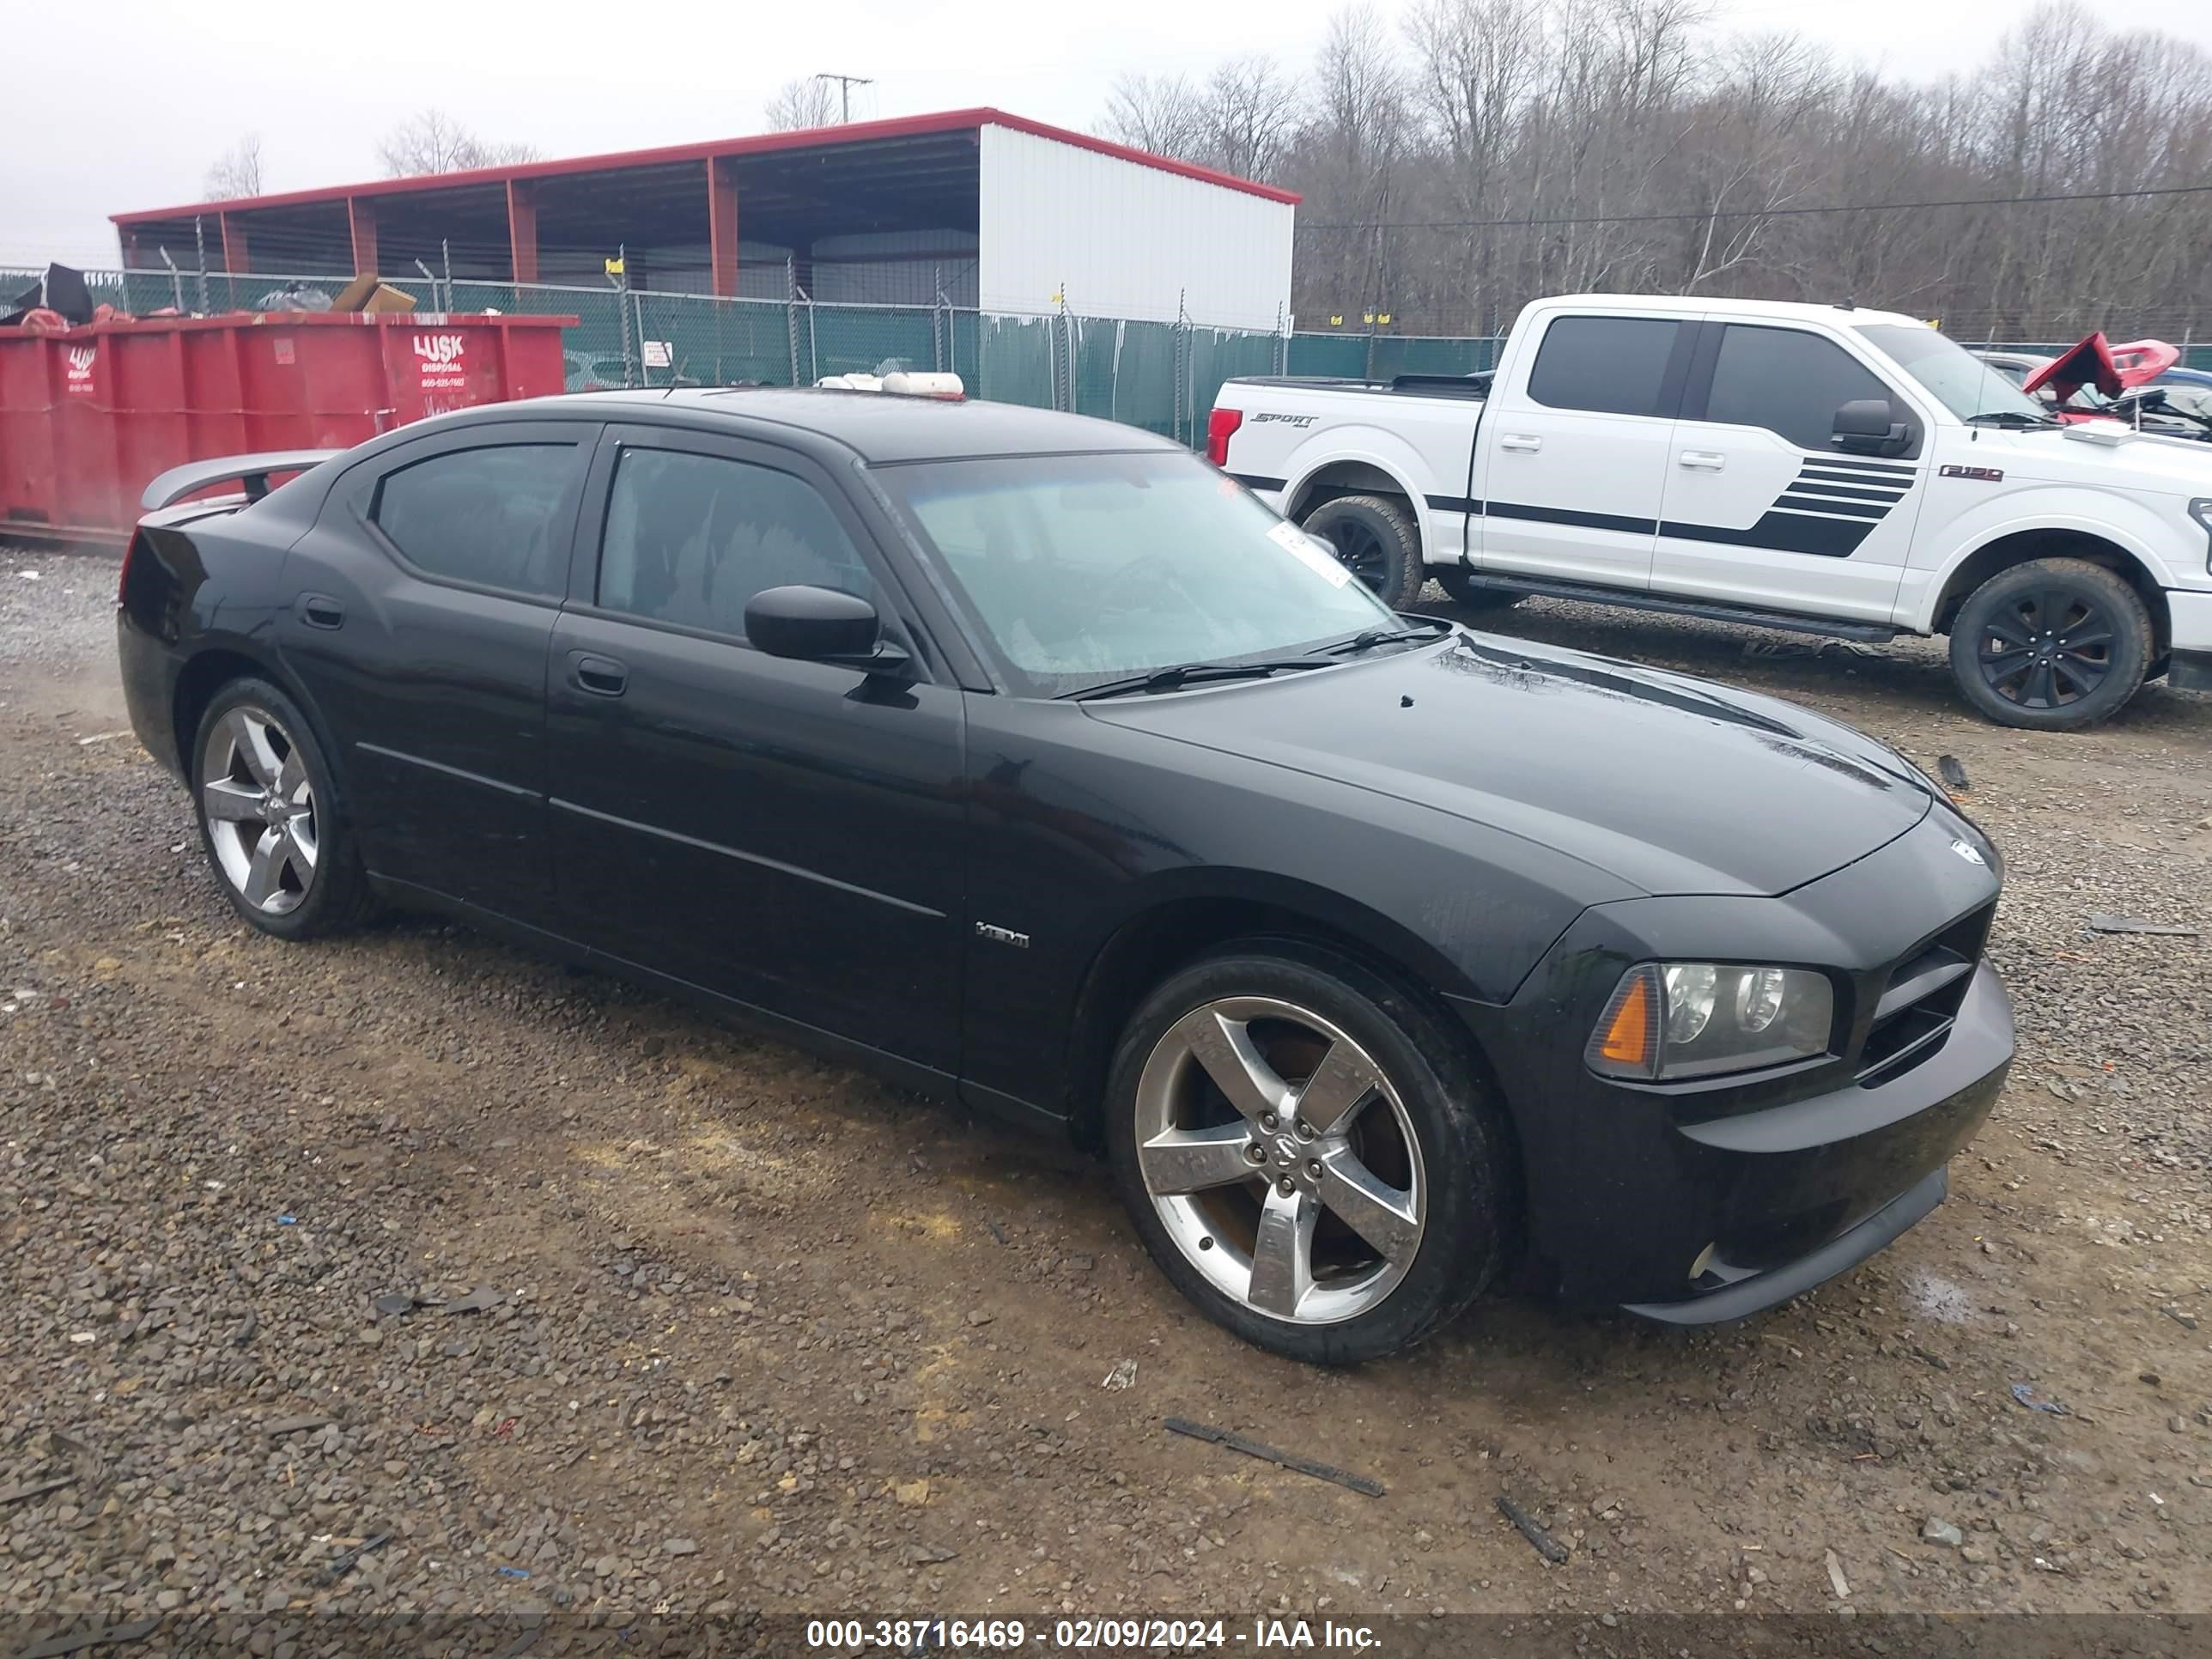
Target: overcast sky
column 320, row 83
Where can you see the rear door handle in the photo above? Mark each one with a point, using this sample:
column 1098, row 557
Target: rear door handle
column 321, row 610
column 1703, row 460
column 1528, row 443
column 602, row 677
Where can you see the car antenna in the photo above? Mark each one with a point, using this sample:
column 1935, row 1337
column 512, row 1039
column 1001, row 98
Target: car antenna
column 1849, row 304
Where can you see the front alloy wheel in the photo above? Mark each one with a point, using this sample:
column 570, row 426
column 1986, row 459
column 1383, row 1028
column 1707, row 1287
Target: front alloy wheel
column 2054, row 644
column 1280, row 1160
column 1308, row 1152
column 260, row 810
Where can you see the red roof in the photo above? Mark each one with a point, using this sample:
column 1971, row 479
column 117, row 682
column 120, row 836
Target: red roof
column 857, row 132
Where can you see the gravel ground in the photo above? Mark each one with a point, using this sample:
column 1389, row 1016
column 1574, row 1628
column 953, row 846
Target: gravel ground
column 579, row 1301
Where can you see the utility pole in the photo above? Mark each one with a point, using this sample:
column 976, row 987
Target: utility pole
column 845, row 85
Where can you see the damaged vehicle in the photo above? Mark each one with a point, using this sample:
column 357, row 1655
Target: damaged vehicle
column 2135, row 385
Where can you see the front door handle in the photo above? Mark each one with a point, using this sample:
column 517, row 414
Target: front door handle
column 321, row 610
column 602, row 677
column 1527, row 442
column 1703, row 460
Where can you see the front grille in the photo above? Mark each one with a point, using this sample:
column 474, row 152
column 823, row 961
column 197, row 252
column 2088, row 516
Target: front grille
column 1920, row 1000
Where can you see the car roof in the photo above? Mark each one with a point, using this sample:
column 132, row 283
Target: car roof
column 1779, row 310
column 879, row 427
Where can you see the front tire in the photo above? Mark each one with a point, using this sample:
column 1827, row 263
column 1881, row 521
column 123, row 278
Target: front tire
column 1307, row 1154
column 270, row 815
column 1375, row 538
column 2053, row 645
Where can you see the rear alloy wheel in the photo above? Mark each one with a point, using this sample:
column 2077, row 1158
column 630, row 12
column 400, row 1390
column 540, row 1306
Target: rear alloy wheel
column 268, row 817
column 1375, row 539
column 2052, row 645
column 1295, row 1162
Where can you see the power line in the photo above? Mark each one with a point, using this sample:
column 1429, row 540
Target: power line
column 1763, row 213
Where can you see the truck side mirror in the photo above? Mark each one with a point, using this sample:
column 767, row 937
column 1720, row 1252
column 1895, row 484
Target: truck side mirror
column 1863, row 426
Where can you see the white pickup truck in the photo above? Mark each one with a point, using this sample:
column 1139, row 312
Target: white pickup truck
column 1818, row 468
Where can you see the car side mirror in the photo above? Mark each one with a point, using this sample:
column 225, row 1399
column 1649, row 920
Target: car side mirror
column 1863, row 426
column 824, row 624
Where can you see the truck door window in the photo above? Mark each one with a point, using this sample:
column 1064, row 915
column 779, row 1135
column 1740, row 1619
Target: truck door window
column 1608, row 364
column 1788, row 381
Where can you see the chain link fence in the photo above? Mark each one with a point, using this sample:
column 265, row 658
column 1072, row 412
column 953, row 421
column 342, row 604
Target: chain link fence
column 1161, row 377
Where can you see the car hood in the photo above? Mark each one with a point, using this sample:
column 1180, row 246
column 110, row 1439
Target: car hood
column 1670, row 784
column 2104, row 452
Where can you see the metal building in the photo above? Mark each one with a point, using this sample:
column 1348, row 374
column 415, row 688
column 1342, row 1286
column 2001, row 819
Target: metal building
column 972, row 208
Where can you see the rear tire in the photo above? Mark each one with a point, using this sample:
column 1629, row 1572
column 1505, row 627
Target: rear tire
column 1376, row 538
column 2053, row 645
column 1454, row 580
column 1366, row 1212
column 272, row 825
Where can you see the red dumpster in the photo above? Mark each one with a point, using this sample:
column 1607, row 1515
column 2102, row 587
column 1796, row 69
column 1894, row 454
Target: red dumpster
column 89, row 417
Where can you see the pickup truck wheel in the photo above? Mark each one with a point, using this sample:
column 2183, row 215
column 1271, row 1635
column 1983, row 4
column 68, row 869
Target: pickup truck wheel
column 1464, row 594
column 1375, row 539
column 2054, row 645
column 1306, row 1154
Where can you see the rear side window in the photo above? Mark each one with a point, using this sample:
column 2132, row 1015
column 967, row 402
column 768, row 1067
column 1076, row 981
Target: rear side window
column 690, row 538
column 491, row 516
column 1788, row 381
column 1610, row 365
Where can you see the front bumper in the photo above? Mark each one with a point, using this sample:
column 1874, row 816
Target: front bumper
column 1838, row 1173
column 1693, row 1202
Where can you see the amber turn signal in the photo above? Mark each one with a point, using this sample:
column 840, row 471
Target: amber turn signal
column 1626, row 1042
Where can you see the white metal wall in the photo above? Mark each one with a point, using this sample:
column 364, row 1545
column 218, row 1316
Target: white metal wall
column 1125, row 239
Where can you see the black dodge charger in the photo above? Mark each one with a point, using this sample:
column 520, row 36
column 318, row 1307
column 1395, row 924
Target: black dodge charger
column 1027, row 759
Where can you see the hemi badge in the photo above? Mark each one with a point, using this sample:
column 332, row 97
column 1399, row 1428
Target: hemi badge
column 1981, row 474
column 1002, row 935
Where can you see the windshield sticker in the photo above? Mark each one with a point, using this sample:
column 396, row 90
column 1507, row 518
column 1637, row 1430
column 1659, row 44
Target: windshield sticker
column 1316, row 557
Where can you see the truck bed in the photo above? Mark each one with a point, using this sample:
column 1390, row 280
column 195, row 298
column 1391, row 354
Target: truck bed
column 1472, row 388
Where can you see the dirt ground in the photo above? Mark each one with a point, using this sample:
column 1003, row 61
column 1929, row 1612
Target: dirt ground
column 767, row 1335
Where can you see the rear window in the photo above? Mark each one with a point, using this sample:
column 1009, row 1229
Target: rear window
column 1608, row 364
column 490, row 516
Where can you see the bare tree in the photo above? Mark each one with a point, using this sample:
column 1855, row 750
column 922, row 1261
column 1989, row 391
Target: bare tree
column 1159, row 113
column 236, row 171
column 431, row 141
column 800, row 104
column 1469, row 156
column 1247, row 115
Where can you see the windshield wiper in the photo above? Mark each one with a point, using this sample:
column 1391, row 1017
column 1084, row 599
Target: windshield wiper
column 1430, row 627
column 1193, row 673
column 2009, row 417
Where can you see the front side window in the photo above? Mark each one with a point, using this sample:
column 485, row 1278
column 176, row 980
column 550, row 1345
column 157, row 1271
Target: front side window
column 490, row 516
column 1084, row 569
column 691, row 539
column 1610, row 365
column 1790, row 382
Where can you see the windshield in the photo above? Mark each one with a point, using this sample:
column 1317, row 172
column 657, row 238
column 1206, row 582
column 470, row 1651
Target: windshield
column 1950, row 374
column 1086, row 568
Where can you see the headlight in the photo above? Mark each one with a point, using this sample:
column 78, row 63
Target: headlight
column 1682, row 1019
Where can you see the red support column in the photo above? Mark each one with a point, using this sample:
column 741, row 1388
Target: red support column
column 233, row 243
column 361, row 218
column 128, row 241
column 722, row 223
column 522, row 231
